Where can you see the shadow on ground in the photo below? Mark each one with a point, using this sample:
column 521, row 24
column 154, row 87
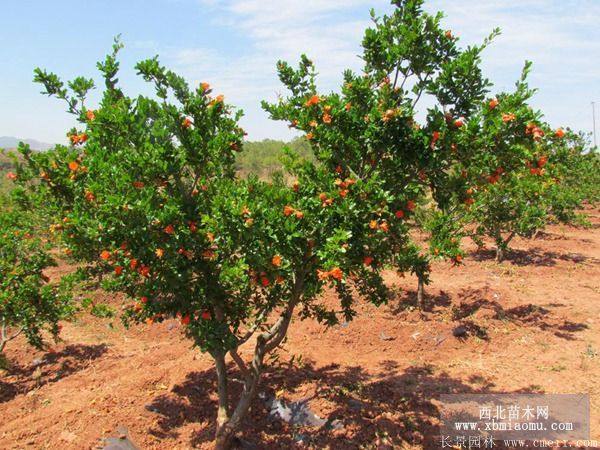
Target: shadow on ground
column 400, row 406
column 472, row 309
column 52, row 367
column 533, row 257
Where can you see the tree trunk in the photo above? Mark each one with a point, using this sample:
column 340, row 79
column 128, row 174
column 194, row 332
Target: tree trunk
column 227, row 426
column 3, row 337
column 499, row 254
column 222, row 438
column 228, row 422
column 502, row 246
column 421, row 292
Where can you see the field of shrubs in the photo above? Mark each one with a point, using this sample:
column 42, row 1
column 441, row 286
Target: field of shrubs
column 166, row 284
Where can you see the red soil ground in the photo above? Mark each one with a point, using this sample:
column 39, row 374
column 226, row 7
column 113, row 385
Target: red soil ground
column 533, row 325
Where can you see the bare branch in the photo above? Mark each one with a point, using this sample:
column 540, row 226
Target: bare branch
column 240, row 362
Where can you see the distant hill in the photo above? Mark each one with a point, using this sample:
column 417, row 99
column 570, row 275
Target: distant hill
column 263, row 158
column 7, row 142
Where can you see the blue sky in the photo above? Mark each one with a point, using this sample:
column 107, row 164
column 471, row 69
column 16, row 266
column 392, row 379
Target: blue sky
column 234, row 44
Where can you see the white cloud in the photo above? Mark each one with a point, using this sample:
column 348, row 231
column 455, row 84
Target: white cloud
column 560, row 37
column 328, row 31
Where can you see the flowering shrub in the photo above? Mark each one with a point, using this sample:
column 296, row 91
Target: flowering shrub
column 147, row 196
column 369, row 128
column 505, row 156
column 29, row 303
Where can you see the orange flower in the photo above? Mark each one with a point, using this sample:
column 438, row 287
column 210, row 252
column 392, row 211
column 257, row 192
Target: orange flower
column 11, row 176
column 434, row 138
column 159, row 252
column 133, row 263
column 73, row 166
column 310, row 136
column 322, row 274
column 314, row 100
column 185, row 320
column 193, row 227
column 384, row 227
column 299, row 214
column 208, row 254
column 322, row 196
column 494, row 103
column 296, row 186
column 459, row 122
column 144, row 300
column 339, row 169
column 327, row 118
column 336, row 273
column 469, row 201
column 348, row 106
column 399, row 214
column 448, row 34
column 542, row 161
column 410, row 205
column 187, row 123
column 344, row 192
column 105, row 255
column 83, row 137
column 288, row 210
column 90, row 115
column 144, row 271
column 373, row 225
column 389, row 115
column 74, row 139
column 169, row 229
column 210, row 236
column 246, row 211
column 560, row 133
column 89, row 196
column 367, row 261
column 118, row 270
column 276, row 261
column 138, row 184
column 205, row 87
column 508, row 117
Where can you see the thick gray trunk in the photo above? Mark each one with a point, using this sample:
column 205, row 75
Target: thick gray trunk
column 228, row 423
